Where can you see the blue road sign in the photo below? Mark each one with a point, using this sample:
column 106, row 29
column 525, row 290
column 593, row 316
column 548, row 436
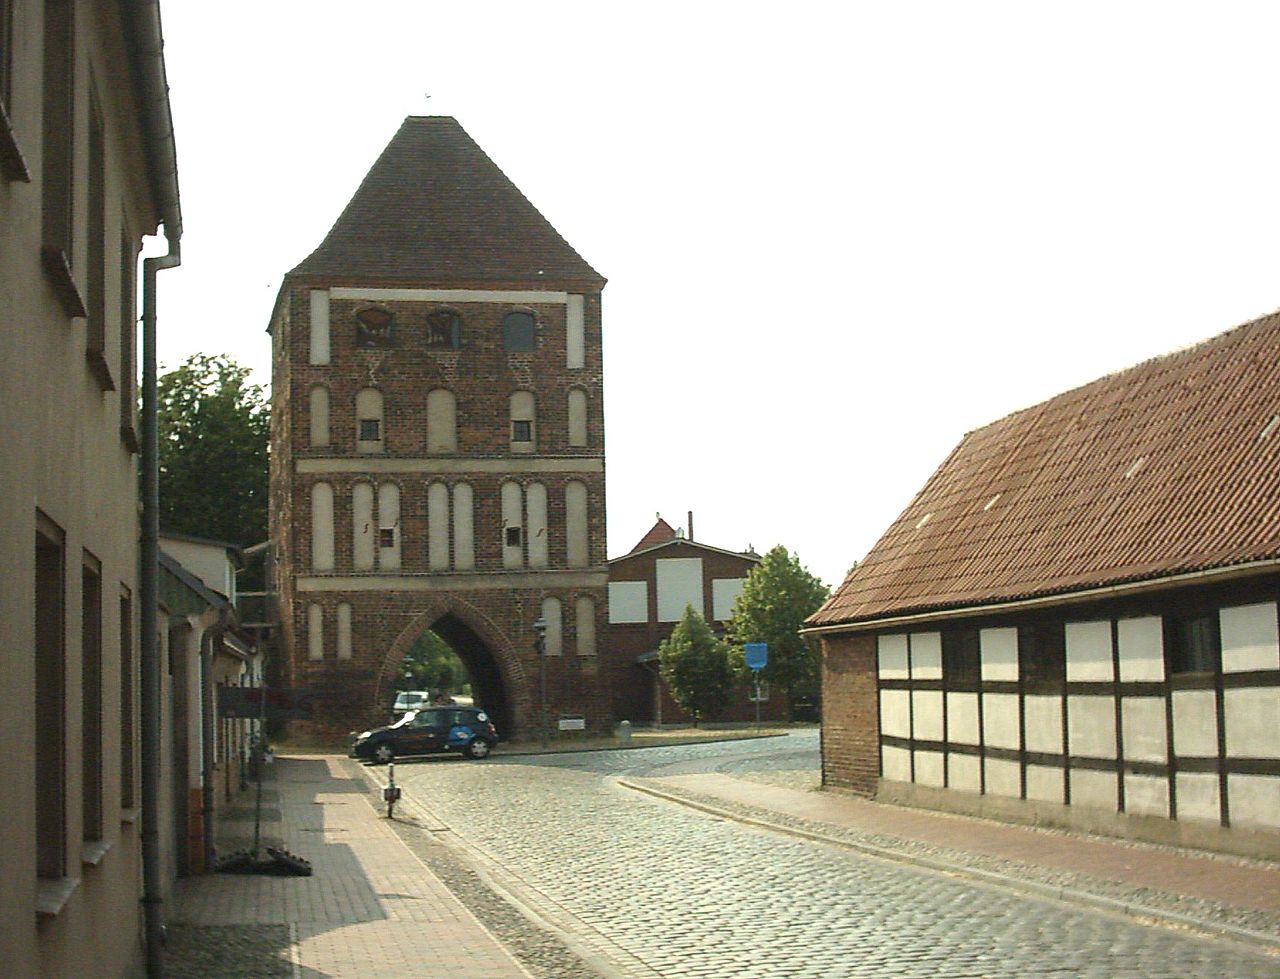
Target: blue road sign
column 756, row 655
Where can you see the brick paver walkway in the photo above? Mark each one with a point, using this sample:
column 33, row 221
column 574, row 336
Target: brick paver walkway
column 371, row 908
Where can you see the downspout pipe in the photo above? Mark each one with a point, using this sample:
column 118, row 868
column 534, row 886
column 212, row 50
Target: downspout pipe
column 149, row 574
column 208, row 650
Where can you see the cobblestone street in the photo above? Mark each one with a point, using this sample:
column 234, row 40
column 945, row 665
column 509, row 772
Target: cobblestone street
column 645, row 887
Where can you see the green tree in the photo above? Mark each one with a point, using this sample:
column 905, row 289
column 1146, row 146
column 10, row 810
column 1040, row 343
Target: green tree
column 214, row 428
column 779, row 594
column 430, row 664
column 697, row 667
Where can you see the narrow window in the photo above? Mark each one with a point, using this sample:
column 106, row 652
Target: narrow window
column 96, row 344
column 575, row 333
column 91, row 697
column 315, row 632
column 555, row 626
column 444, row 329
column 369, row 415
column 389, row 527
column 319, row 305
column 58, row 140
column 438, row 527
column 322, row 558
column 128, row 702
column 362, row 541
column 523, row 418
column 128, row 340
column 344, row 630
column 512, row 521
column 518, row 333
column 375, row 327
column 536, row 522
column 1194, row 643
column 464, row 540
column 49, row 751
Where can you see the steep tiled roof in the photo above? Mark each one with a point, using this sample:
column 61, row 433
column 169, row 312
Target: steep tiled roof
column 435, row 210
column 659, row 533
column 1169, row 467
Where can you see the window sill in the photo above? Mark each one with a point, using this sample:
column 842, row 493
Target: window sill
column 100, row 369
column 58, row 271
column 12, row 165
column 53, row 893
column 130, row 816
column 92, row 852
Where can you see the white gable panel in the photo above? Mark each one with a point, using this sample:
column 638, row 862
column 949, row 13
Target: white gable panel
column 724, row 592
column 679, row 584
column 628, row 601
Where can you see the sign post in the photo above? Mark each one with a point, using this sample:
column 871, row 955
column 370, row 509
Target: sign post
column 756, row 656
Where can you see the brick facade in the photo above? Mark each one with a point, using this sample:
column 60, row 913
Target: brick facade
column 420, row 576
column 850, row 714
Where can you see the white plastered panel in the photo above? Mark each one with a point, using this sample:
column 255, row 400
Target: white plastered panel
column 1091, row 727
column 929, row 768
column 926, row 656
column 584, row 616
column 628, row 601
column 1004, row 778
column 318, row 416
column 536, row 525
column 362, row 536
column 344, row 631
column 1198, row 797
column 962, row 718
column 442, row 421
column 577, row 551
column 1144, row 728
column 315, row 632
column 679, row 584
column 319, row 326
column 895, row 716
column 322, row 553
column 1146, row 795
column 1089, row 652
column 895, row 763
column 389, row 519
column 1249, row 638
column 926, row 712
column 892, row 657
column 1252, row 722
column 999, row 654
column 552, row 615
column 1195, row 724
column 1254, row 800
column 1043, row 723
column 464, row 531
column 1000, row 720
column 964, row 773
column 1140, row 647
column 438, row 527
column 575, row 333
column 724, row 592
column 512, row 516
column 1045, row 784
column 1094, row 789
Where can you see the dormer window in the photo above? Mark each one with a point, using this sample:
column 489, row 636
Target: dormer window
column 444, row 329
column 374, row 327
column 518, row 333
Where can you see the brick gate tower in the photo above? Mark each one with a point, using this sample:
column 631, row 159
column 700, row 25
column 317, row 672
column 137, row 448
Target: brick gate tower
column 438, row 443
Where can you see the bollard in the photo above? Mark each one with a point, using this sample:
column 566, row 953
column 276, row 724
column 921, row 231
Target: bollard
column 391, row 791
column 624, row 732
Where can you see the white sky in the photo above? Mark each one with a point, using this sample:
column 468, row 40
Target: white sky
column 837, row 236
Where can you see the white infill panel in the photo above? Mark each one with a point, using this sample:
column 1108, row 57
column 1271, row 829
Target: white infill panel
column 362, row 537
column 344, row 630
column 438, row 527
column 964, row 772
column 1144, row 729
column 724, row 592
column 628, row 601
column 1043, row 724
column 577, row 549
column 962, row 717
column 1089, row 652
column 926, row 714
column 584, row 617
column 319, row 416
column 389, row 527
column 999, row 654
column 1249, row 638
column 891, row 652
column 322, row 554
column 464, row 534
column 1091, row 727
column 1094, row 789
column 1254, row 800
column 926, row 656
column 1198, row 797
column 536, row 524
column 577, row 418
column 1146, row 795
column 1004, row 778
column 679, row 584
column 1195, row 724
column 319, row 326
column 895, row 763
column 929, row 768
column 895, row 713
column 512, row 526
column 551, row 615
column 1000, row 720
column 1045, row 784
column 1140, row 649
column 315, row 632
column 1252, row 722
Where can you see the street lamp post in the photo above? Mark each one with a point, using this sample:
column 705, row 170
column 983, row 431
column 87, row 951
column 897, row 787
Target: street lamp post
column 540, row 647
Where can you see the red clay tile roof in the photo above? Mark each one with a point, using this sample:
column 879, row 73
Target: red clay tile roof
column 435, row 210
column 659, row 533
column 1169, row 467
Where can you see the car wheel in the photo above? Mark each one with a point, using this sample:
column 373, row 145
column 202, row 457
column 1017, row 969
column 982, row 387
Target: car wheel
column 478, row 748
column 384, row 753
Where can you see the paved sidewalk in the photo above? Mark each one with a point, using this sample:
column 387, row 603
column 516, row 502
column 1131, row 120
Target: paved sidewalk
column 1226, row 896
column 371, row 908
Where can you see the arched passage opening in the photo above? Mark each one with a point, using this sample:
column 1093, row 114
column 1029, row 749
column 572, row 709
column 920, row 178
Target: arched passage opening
column 497, row 678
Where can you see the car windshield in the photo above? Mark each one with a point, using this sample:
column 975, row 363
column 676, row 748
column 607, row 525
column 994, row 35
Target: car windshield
column 404, row 720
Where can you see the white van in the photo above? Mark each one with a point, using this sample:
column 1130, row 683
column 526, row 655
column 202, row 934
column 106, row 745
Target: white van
column 410, row 700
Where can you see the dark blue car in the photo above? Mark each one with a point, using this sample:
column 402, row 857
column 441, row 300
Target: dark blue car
column 426, row 731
